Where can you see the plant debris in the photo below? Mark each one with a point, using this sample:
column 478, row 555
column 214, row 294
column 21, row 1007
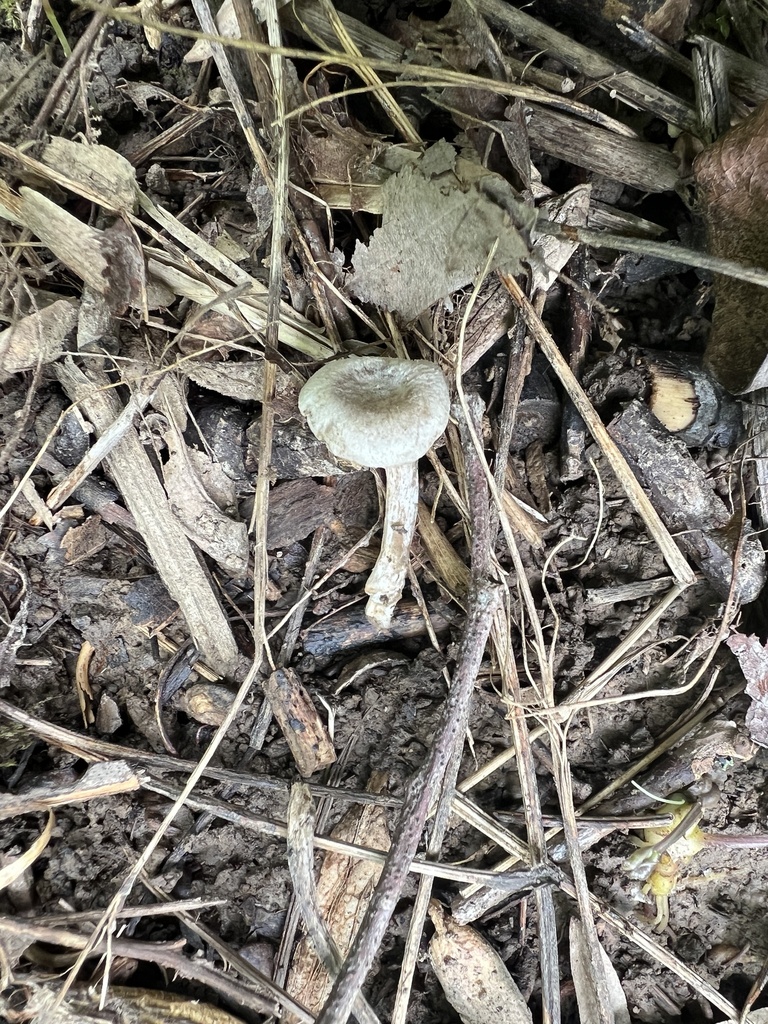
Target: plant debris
column 463, row 672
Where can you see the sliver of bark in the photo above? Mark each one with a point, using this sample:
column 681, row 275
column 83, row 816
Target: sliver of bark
column 732, row 179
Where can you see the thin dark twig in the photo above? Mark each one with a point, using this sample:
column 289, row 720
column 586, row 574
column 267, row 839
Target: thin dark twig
column 79, row 52
column 480, row 520
column 301, row 830
column 483, row 603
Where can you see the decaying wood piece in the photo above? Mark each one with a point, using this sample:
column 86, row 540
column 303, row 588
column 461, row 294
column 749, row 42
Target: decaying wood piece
column 610, row 75
column 672, row 554
column 349, row 630
column 297, row 716
column 301, row 829
column 204, row 522
column 98, row 451
column 691, row 404
column 296, row 452
column 296, row 508
column 171, row 551
column 38, row 337
column 712, row 98
column 732, row 179
column 449, row 569
column 109, row 261
column 685, row 500
column 637, row 163
column 344, row 888
column 105, row 173
column 99, row 780
column 475, row 979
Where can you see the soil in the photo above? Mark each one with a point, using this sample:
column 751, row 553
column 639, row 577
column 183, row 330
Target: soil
column 101, row 588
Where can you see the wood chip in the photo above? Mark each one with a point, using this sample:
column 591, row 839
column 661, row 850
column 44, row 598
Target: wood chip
column 299, row 721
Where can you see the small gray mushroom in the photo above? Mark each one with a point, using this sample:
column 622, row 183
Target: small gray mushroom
column 385, row 414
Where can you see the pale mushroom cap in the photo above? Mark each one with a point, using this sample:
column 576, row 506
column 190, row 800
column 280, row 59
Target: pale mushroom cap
column 375, row 411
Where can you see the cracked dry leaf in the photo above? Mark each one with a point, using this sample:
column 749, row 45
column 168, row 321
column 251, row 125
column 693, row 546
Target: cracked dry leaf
column 344, row 889
column 475, row 979
column 732, row 180
column 436, row 235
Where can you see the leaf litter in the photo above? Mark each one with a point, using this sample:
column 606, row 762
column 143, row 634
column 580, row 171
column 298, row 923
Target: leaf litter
column 511, row 209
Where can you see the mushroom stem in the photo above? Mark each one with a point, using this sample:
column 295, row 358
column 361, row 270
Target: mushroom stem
column 386, row 582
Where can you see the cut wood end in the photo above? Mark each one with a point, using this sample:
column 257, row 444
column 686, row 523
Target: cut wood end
column 673, row 400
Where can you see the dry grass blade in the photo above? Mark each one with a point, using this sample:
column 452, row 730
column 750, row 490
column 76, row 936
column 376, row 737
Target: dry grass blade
column 16, row 935
column 98, row 781
column 13, row 869
column 369, row 76
column 587, row 997
column 593, row 972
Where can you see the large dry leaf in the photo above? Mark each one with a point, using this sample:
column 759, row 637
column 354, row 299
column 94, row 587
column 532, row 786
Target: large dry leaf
column 474, row 978
column 436, row 236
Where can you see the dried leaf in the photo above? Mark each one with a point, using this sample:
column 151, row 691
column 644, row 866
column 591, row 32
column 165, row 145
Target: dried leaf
column 586, row 996
column 39, row 337
column 474, row 978
column 753, row 659
column 436, row 236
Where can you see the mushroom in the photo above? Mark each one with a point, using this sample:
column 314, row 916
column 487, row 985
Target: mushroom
column 385, row 414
